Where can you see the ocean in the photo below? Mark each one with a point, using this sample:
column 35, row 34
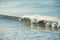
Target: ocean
column 13, row 29
column 30, row 7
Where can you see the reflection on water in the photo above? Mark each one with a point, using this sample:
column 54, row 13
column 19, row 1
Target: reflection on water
column 14, row 30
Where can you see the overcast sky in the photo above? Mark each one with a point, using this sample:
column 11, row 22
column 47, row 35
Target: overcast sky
column 31, row 7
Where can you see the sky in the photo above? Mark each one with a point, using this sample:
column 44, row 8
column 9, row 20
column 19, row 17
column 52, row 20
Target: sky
column 30, row 7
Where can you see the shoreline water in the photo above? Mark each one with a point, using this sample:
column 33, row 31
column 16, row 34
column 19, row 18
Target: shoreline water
column 14, row 30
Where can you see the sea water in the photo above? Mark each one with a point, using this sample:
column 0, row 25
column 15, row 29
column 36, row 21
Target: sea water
column 14, row 30
column 30, row 7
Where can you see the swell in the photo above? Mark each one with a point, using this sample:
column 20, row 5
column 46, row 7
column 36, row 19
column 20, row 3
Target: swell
column 9, row 17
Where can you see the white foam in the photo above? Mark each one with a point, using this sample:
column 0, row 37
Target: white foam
column 42, row 17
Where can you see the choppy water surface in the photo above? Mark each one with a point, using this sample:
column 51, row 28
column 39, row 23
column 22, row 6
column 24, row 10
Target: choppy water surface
column 14, row 30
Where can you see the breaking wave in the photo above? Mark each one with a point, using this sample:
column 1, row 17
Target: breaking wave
column 42, row 17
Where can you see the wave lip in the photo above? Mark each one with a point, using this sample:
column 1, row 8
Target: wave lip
column 48, row 18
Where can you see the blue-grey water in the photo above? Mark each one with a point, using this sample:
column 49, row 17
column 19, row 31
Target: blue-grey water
column 30, row 7
column 13, row 30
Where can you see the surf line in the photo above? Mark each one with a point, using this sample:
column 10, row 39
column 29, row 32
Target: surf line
column 41, row 20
